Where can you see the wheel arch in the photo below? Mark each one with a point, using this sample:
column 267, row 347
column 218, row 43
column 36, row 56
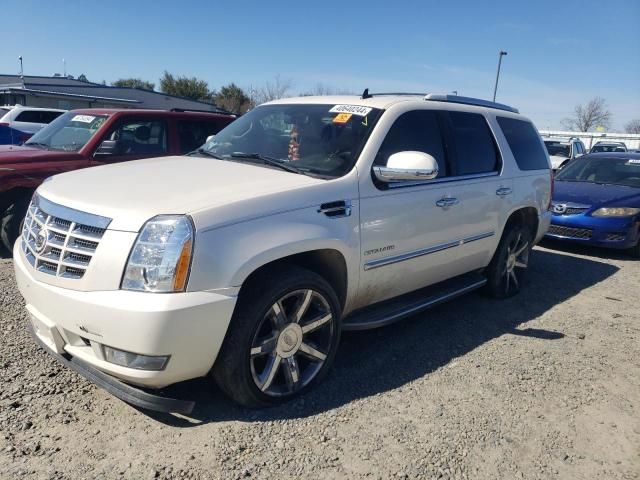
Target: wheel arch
column 527, row 216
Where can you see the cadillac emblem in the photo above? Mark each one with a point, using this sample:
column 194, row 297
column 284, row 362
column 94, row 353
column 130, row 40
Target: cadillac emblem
column 41, row 240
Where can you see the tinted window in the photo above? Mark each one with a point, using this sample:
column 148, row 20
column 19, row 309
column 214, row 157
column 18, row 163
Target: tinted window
column 37, row 116
column 31, row 116
column 140, row 137
column 524, row 142
column 475, row 149
column 194, row 133
column 414, row 131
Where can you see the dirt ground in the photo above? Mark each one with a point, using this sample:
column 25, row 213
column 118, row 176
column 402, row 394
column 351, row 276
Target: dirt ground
column 543, row 385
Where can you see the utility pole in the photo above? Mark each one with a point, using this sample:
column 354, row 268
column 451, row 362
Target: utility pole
column 21, row 69
column 495, row 88
column 64, row 67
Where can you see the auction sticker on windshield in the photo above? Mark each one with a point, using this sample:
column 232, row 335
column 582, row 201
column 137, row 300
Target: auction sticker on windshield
column 83, row 118
column 342, row 118
column 353, row 109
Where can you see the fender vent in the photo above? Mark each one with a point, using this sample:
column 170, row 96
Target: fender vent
column 340, row 208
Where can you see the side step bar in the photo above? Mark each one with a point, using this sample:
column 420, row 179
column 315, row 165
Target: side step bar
column 391, row 311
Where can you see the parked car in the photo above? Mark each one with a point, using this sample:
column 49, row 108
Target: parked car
column 18, row 124
column 90, row 137
column 596, row 201
column 563, row 150
column 608, row 147
column 305, row 217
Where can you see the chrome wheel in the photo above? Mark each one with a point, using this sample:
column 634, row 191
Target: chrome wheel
column 292, row 342
column 517, row 258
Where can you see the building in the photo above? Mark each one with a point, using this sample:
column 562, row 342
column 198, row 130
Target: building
column 69, row 93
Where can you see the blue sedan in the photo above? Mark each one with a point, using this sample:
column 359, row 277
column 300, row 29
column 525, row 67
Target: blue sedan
column 596, row 201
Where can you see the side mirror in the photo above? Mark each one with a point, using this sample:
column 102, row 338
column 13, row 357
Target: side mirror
column 210, row 138
column 407, row 166
column 108, row 147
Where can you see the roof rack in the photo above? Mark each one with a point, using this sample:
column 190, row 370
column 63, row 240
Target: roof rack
column 366, row 94
column 469, row 101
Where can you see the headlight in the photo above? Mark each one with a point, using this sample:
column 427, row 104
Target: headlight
column 160, row 259
column 616, row 212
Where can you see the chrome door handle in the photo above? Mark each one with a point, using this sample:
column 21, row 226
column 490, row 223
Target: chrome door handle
column 503, row 191
column 447, row 202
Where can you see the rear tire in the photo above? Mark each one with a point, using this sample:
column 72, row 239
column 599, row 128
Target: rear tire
column 11, row 222
column 282, row 338
column 506, row 271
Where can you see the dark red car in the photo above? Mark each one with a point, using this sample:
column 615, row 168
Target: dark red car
column 89, row 137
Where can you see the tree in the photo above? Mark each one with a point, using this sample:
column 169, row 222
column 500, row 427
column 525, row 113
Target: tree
column 633, row 126
column 134, row 83
column 278, row 88
column 83, row 78
column 589, row 116
column 321, row 90
column 233, row 98
column 186, row 87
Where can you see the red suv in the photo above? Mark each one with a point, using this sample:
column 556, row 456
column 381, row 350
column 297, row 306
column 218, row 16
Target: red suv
column 89, row 137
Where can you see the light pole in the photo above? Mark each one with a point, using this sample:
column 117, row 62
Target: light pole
column 21, row 70
column 64, row 67
column 495, row 88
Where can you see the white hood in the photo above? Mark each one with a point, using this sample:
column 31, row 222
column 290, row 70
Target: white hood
column 131, row 193
column 556, row 161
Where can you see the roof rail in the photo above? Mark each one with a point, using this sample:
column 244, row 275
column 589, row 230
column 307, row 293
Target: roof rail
column 218, row 110
column 366, row 94
column 469, row 101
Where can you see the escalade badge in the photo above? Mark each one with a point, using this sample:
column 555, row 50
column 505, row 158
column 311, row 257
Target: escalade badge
column 41, row 240
column 559, row 208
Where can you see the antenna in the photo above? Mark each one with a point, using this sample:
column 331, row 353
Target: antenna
column 366, row 94
column 21, row 69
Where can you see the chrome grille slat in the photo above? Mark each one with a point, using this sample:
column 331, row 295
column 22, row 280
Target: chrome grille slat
column 68, row 246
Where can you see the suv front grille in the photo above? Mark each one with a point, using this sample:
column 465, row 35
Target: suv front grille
column 583, row 233
column 57, row 245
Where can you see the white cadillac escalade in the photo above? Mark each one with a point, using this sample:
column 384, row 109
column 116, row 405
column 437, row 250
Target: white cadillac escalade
column 245, row 259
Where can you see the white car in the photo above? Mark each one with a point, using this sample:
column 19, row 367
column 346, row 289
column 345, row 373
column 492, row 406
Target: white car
column 18, row 123
column 563, row 150
column 303, row 218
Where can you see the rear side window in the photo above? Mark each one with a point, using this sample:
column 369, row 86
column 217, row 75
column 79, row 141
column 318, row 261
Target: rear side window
column 524, row 142
column 194, row 133
column 37, row 116
column 473, row 143
column 418, row 131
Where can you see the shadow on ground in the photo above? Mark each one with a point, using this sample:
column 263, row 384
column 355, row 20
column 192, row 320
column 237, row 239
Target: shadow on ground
column 372, row 362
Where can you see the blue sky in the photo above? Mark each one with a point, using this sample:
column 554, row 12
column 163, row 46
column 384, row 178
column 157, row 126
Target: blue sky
column 560, row 52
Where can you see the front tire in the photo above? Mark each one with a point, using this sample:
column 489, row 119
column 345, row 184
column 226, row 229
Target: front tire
column 505, row 274
column 11, row 222
column 282, row 338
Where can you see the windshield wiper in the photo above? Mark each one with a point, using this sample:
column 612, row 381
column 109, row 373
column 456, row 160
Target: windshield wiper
column 38, row 144
column 270, row 161
column 203, row 151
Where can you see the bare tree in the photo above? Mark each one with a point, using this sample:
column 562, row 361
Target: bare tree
column 278, row 88
column 322, row 90
column 633, row 126
column 589, row 116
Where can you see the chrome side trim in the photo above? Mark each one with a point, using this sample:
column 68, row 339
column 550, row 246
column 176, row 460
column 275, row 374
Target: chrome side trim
column 424, row 251
column 442, row 180
column 70, row 214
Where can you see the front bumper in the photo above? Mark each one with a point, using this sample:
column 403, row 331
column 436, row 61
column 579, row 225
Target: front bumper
column 619, row 233
column 188, row 327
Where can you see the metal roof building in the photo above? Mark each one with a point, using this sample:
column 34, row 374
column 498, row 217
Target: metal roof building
column 68, row 93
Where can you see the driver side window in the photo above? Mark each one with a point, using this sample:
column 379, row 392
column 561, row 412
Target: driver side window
column 140, row 137
column 418, row 130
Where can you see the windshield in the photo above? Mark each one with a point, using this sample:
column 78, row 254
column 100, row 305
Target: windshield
column 69, row 132
column 558, row 149
column 321, row 140
column 608, row 148
column 614, row 171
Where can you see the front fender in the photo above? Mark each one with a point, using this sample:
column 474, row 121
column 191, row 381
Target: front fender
column 224, row 257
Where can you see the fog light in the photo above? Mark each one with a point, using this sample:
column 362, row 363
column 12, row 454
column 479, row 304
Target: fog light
column 133, row 360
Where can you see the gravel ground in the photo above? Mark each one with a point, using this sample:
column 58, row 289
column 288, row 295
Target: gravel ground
column 543, row 385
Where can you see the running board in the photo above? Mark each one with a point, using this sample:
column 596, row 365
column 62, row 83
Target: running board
column 391, row 311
